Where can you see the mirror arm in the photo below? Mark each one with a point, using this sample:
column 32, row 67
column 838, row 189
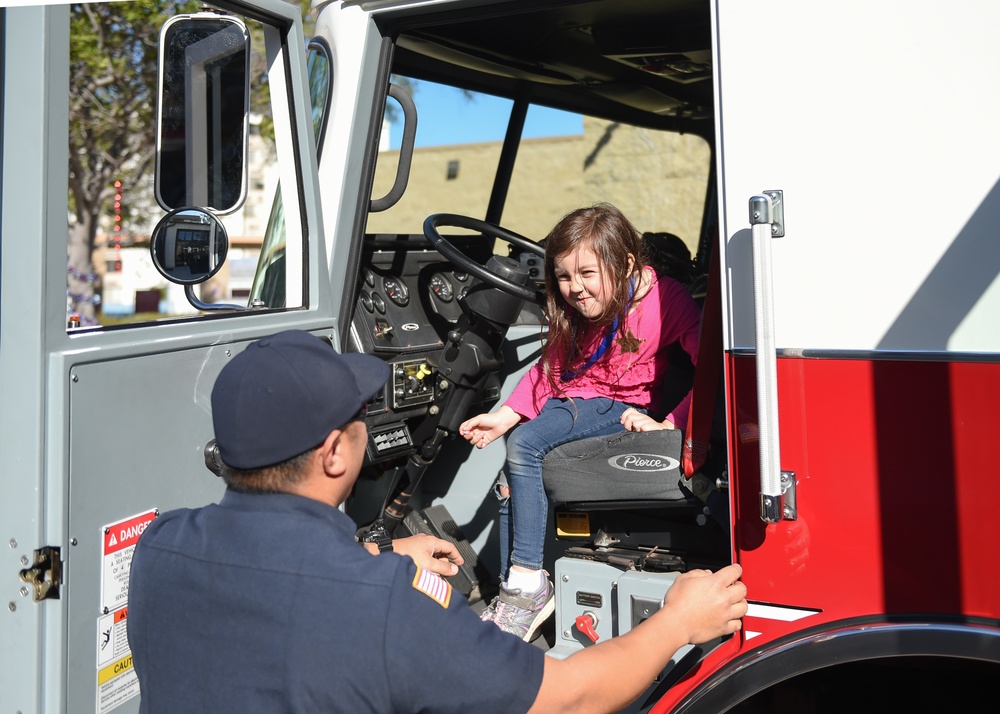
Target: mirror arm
column 206, row 306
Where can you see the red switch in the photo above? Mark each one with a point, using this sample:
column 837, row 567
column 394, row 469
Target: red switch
column 586, row 623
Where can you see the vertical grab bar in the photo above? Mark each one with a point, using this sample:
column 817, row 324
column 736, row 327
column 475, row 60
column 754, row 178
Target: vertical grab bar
column 764, row 226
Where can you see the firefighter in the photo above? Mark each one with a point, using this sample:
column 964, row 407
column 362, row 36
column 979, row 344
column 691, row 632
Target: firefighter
column 265, row 601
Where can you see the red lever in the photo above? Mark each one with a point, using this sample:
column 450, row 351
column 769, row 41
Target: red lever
column 585, row 623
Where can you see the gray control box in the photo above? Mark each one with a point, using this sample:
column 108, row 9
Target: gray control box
column 615, row 601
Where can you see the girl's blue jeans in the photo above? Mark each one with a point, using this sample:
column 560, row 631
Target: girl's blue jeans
column 523, row 516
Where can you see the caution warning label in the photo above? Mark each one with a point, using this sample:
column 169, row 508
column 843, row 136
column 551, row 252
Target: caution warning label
column 116, row 684
column 119, row 544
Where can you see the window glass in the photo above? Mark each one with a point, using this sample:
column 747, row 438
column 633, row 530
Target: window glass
column 111, row 279
column 657, row 178
column 564, row 161
column 318, row 66
column 271, row 286
column 459, row 134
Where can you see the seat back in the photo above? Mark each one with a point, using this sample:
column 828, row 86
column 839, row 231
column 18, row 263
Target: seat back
column 635, row 467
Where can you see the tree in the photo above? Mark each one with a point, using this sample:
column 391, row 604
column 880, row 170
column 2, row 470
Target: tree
column 112, row 120
column 112, row 112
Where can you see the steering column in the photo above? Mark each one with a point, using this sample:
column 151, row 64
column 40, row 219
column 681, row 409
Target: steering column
column 472, row 349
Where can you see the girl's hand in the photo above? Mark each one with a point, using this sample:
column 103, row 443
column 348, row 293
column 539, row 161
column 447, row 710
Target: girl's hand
column 634, row 420
column 484, row 429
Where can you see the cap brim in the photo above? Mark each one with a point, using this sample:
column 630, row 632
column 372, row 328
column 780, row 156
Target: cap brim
column 370, row 373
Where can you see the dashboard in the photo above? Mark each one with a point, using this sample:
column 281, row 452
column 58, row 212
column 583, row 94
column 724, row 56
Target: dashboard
column 409, row 298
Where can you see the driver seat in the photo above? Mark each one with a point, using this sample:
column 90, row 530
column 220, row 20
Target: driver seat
column 625, row 500
column 635, row 491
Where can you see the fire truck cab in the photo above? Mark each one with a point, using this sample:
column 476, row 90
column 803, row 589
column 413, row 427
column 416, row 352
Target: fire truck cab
column 383, row 178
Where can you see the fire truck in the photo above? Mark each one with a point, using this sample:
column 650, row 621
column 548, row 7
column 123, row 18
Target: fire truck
column 832, row 168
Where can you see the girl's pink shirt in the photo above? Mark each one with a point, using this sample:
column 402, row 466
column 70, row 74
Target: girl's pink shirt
column 666, row 314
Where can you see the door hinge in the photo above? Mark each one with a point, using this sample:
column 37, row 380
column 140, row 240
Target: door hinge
column 45, row 575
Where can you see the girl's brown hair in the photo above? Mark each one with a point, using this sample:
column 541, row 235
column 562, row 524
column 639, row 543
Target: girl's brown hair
column 606, row 231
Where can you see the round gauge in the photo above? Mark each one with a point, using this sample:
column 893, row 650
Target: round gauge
column 378, row 303
column 396, row 290
column 441, row 287
column 366, row 300
column 369, row 278
column 460, row 276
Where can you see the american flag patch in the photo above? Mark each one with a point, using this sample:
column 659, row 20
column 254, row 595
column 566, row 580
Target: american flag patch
column 433, row 586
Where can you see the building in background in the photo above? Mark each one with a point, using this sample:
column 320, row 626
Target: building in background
column 136, row 286
column 658, row 179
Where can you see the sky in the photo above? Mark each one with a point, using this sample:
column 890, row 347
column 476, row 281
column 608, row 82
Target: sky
column 446, row 116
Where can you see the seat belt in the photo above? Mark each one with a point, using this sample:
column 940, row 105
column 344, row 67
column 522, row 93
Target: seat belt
column 707, row 373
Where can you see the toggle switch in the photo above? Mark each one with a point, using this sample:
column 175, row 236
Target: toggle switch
column 587, row 624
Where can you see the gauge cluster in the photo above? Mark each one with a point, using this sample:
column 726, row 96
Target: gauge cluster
column 408, row 301
column 408, row 298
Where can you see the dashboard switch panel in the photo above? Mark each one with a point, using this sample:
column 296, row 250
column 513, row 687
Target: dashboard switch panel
column 412, row 383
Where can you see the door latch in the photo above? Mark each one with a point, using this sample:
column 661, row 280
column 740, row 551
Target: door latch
column 45, row 575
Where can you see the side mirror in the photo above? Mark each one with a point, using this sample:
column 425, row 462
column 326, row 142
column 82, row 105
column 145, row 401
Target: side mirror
column 188, row 246
column 203, row 105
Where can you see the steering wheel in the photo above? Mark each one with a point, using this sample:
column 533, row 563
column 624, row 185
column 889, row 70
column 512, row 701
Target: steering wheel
column 468, row 265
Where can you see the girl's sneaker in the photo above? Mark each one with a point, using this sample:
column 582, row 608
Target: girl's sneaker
column 520, row 613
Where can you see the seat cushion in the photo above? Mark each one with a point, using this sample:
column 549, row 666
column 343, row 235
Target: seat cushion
column 631, row 466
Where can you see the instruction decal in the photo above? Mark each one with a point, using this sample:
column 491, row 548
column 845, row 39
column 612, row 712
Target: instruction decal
column 116, row 678
column 119, row 541
column 112, row 637
column 116, row 684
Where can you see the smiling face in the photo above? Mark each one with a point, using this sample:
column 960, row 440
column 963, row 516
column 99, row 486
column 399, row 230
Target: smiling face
column 582, row 281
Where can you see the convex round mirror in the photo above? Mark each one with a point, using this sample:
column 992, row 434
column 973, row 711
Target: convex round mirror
column 189, row 246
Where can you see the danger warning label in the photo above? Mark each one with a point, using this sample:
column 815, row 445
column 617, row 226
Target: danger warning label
column 119, row 544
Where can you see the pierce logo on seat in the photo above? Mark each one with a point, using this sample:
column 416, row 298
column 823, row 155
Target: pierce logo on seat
column 643, row 462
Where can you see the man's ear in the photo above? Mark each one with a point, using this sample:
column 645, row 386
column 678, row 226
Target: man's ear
column 332, row 454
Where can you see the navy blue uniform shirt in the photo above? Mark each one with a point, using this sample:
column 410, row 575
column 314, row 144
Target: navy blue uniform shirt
column 265, row 603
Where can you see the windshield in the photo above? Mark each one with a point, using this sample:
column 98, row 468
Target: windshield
column 564, row 161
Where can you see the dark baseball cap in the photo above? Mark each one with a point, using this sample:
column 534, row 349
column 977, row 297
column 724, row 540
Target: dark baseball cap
column 285, row 393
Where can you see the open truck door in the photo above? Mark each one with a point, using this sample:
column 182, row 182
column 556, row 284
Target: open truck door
column 105, row 419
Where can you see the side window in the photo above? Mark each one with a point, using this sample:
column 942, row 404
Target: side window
column 320, row 70
column 564, row 161
column 111, row 279
column 270, row 286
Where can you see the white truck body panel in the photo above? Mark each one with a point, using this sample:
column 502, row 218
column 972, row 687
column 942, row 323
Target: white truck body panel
column 884, row 203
